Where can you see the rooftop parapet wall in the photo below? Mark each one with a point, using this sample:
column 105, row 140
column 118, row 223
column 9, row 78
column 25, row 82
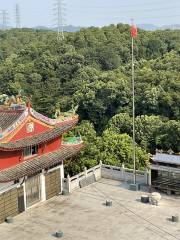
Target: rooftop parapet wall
column 71, row 140
column 124, row 174
column 108, row 172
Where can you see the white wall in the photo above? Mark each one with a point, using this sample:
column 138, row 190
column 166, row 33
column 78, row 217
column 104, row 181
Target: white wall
column 106, row 171
column 73, row 182
column 123, row 174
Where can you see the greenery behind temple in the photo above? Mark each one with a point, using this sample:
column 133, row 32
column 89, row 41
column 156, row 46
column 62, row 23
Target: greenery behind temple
column 92, row 68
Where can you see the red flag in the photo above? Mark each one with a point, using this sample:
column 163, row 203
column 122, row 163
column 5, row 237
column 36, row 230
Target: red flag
column 133, row 31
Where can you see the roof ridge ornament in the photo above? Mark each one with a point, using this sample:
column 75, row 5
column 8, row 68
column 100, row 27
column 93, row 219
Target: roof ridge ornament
column 29, row 104
column 170, row 151
column 12, row 102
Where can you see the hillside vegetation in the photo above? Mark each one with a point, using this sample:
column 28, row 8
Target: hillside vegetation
column 92, row 68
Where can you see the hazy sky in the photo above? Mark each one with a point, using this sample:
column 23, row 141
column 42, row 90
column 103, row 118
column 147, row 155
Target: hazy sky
column 96, row 12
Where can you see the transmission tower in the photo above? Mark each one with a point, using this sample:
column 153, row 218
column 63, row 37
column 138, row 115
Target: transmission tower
column 5, row 18
column 17, row 16
column 59, row 13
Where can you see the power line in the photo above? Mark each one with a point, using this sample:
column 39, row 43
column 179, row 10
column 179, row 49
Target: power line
column 152, row 9
column 158, row 17
column 150, row 17
column 114, row 9
column 121, row 6
column 126, row 19
column 59, row 13
column 103, row 11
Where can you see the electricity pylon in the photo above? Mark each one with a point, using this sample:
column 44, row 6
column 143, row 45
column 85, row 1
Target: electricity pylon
column 17, row 16
column 59, row 13
column 5, row 18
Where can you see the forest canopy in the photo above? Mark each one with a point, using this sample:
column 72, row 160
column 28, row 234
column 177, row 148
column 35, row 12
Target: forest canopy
column 92, row 69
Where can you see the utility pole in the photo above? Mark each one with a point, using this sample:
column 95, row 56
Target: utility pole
column 133, row 35
column 4, row 15
column 59, row 13
column 17, row 16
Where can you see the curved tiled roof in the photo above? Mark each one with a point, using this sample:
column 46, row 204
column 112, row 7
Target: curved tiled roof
column 8, row 117
column 39, row 138
column 64, row 117
column 35, row 165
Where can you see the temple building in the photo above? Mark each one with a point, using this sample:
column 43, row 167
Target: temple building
column 32, row 152
column 165, row 172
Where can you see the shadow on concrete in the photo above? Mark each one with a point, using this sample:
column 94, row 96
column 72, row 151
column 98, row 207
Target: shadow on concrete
column 169, row 219
column 124, row 185
column 56, row 236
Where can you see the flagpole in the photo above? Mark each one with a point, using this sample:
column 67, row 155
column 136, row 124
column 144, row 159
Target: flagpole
column 133, row 98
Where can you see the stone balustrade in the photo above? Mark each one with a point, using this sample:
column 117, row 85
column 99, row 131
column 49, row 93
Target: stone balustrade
column 106, row 171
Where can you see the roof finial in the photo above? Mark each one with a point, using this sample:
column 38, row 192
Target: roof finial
column 29, row 104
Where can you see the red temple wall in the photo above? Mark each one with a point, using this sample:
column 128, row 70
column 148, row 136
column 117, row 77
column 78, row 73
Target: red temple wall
column 8, row 159
column 22, row 133
column 12, row 158
column 50, row 146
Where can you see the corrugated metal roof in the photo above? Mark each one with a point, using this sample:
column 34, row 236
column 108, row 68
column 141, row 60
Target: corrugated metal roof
column 167, row 158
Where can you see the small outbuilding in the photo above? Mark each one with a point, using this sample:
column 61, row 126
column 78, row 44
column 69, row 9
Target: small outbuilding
column 165, row 172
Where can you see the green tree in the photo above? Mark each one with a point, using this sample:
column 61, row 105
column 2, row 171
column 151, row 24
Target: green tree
column 169, row 136
column 120, row 123
column 89, row 155
column 116, row 149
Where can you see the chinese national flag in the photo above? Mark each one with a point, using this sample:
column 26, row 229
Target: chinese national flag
column 133, row 31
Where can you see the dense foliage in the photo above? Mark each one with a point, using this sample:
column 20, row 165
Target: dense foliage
column 92, row 68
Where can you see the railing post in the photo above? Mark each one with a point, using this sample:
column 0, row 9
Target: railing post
column 101, row 164
column 146, row 177
column 94, row 171
column 68, row 183
column 149, row 177
column 123, row 172
column 85, row 172
column 77, row 180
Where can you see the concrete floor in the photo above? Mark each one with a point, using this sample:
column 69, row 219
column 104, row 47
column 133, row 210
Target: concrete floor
column 83, row 215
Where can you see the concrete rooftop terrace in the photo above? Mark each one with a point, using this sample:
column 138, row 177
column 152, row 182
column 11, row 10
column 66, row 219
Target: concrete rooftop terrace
column 82, row 215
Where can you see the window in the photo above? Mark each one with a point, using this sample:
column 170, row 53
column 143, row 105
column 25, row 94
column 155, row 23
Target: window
column 30, row 151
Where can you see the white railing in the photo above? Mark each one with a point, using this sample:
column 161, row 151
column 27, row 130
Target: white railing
column 106, row 171
column 72, row 183
column 124, row 174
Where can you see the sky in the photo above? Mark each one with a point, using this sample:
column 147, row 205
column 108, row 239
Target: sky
column 95, row 12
